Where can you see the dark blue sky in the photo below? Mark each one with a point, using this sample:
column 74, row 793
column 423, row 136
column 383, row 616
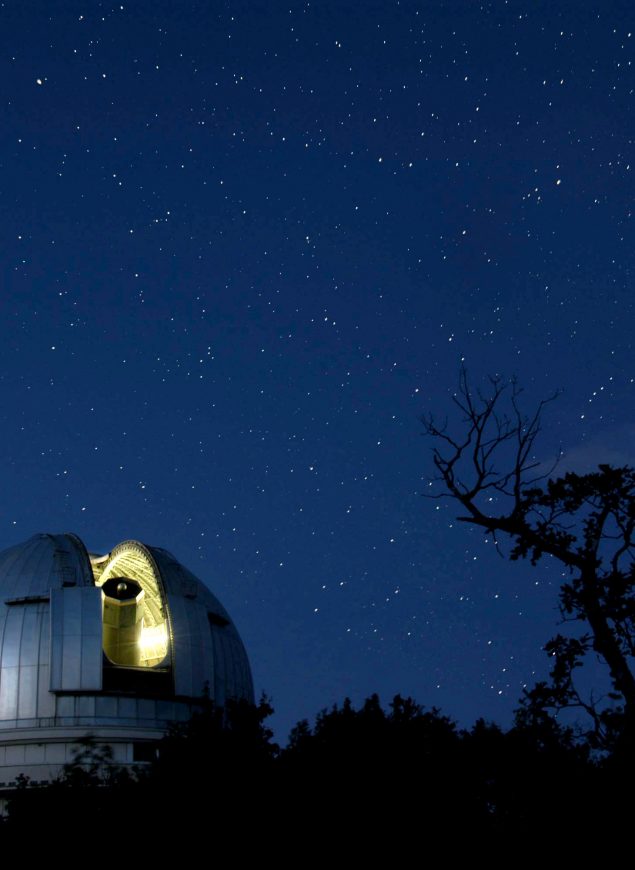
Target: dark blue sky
column 246, row 245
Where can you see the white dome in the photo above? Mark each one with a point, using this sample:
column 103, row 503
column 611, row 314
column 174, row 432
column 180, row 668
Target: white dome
column 116, row 646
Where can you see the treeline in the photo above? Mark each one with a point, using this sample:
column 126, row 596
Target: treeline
column 369, row 777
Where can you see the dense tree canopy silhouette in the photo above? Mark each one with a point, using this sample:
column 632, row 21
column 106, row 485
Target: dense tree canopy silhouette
column 489, row 465
column 355, row 781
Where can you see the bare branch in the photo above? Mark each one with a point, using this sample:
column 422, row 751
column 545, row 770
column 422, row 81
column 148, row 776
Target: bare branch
column 584, row 521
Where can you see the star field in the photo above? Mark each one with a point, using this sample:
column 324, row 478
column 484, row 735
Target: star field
column 246, row 246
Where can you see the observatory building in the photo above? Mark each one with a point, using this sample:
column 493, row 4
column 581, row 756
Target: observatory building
column 116, row 646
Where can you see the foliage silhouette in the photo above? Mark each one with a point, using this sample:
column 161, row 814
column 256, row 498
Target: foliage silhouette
column 90, row 787
column 585, row 521
column 357, row 779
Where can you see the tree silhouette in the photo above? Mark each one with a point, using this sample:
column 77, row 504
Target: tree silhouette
column 357, row 781
column 585, row 521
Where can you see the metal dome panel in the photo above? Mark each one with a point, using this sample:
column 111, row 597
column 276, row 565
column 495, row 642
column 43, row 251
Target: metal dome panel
column 60, row 679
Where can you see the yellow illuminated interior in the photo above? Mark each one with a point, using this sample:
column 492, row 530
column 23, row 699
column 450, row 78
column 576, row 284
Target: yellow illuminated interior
column 153, row 642
column 131, row 561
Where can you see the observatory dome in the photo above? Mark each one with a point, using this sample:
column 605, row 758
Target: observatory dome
column 116, row 646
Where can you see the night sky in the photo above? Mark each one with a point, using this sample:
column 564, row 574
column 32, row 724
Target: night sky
column 246, row 245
